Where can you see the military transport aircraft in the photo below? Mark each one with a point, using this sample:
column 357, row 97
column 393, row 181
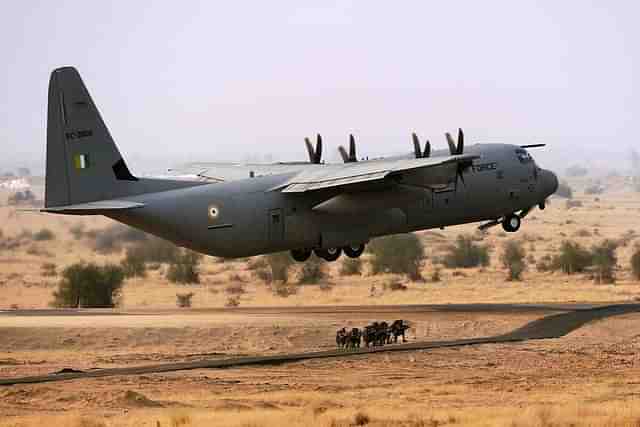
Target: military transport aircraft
column 301, row 207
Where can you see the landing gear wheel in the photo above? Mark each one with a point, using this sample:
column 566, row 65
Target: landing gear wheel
column 511, row 223
column 330, row 254
column 353, row 251
column 300, row 255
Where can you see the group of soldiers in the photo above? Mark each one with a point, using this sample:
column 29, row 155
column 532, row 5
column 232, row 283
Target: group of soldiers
column 375, row 334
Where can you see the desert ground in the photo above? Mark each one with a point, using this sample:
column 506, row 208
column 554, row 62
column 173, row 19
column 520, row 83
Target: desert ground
column 588, row 377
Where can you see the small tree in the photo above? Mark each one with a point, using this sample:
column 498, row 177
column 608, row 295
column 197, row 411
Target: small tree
column 573, row 258
column 513, row 258
column 184, row 269
column 466, row 254
column 89, row 285
column 350, row 267
column 635, row 263
column 133, row 263
column 279, row 262
column 604, row 261
column 398, row 253
column 312, row 271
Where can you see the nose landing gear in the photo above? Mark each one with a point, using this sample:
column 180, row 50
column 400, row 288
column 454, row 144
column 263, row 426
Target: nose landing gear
column 511, row 223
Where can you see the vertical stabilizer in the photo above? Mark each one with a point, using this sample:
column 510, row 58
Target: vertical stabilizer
column 83, row 162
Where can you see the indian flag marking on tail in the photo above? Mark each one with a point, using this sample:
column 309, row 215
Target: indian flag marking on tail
column 81, row 161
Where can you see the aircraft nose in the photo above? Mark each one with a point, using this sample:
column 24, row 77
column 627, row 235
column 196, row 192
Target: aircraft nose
column 549, row 182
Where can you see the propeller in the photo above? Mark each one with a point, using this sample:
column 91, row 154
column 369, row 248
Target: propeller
column 351, row 156
column 418, row 150
column 453, row 147
column 315, row 155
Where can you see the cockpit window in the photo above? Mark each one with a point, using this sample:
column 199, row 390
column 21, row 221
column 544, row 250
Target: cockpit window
column 523, row 156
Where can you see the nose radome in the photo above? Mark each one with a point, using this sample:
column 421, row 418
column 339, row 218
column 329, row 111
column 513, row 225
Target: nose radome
column 549, row 182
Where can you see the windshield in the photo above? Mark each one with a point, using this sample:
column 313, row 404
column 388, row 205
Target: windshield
column 523, row 156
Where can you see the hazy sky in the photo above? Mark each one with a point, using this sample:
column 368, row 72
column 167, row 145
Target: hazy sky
column 207, row 80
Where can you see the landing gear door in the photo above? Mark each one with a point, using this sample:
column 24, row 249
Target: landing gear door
column 276, row 225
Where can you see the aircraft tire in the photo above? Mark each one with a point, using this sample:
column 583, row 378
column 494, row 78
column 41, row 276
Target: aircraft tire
column 353, row 252
column 300, row 255
column 330, row 254
column 511, row 223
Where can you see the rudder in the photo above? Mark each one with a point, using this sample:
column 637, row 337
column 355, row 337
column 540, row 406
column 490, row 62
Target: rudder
column 83, row 162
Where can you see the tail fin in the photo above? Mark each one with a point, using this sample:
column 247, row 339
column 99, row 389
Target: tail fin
column 83, row 162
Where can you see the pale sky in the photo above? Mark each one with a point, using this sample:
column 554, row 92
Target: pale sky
column 217, row 80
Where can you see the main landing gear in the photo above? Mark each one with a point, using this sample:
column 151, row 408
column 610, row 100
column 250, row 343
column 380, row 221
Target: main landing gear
column 329, row 254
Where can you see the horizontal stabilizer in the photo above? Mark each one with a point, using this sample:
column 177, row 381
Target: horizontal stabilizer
column 94, row 208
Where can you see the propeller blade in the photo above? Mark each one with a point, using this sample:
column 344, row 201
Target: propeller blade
column 427, row 149
column 452, row 144
column 312, row 154
column 352, row 149
column 460, row 147
column 416, row 146
column 343, row 154
column 318, row 157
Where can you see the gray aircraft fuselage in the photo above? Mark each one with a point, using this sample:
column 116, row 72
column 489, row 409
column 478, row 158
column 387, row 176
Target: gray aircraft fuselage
column 252, row 220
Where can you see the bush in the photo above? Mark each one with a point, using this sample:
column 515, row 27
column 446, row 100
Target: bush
column 184, row 269
column 49, row 269
column 312, row 271
column 43, row 235
column 635, row 263
column 466, row 254
column 21, row 197
column 89, row 285
column 111, row 239
column 279, row 262
column 133, row 263
column 283, row 289
column 573, row 258
column 350, row 267
column 513, row 258
column 184, row 300
column 604, row 261
column 545, row 264
column 232, row 301
column 398, row 253
column 564, row 190
column 435, row 276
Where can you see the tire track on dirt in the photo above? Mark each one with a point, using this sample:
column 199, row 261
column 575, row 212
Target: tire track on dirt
column 552, row 326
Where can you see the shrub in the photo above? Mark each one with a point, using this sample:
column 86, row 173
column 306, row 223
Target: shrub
column 398, row 253
column 350, row 267
column 436, row 276
column 564, row 190
column 111, row 239
column 604, row 261
column 466, row 254
column 635, row 263
column 89, row 285
column 43, row 235
column 133, row 263
column 283, row 289
column 573, row 258
column 184, row 300
column 312, row 271
column 279, row 262
column 232, row 301
column 513, row 258
column 49, row 269
column 184, row 269
column 21, row 197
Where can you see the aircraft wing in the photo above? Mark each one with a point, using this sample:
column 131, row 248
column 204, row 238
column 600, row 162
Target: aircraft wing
column 423, row 172
column 223, row 172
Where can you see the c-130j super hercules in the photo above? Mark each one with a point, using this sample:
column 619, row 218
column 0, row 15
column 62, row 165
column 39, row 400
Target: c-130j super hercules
column 299, row 207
